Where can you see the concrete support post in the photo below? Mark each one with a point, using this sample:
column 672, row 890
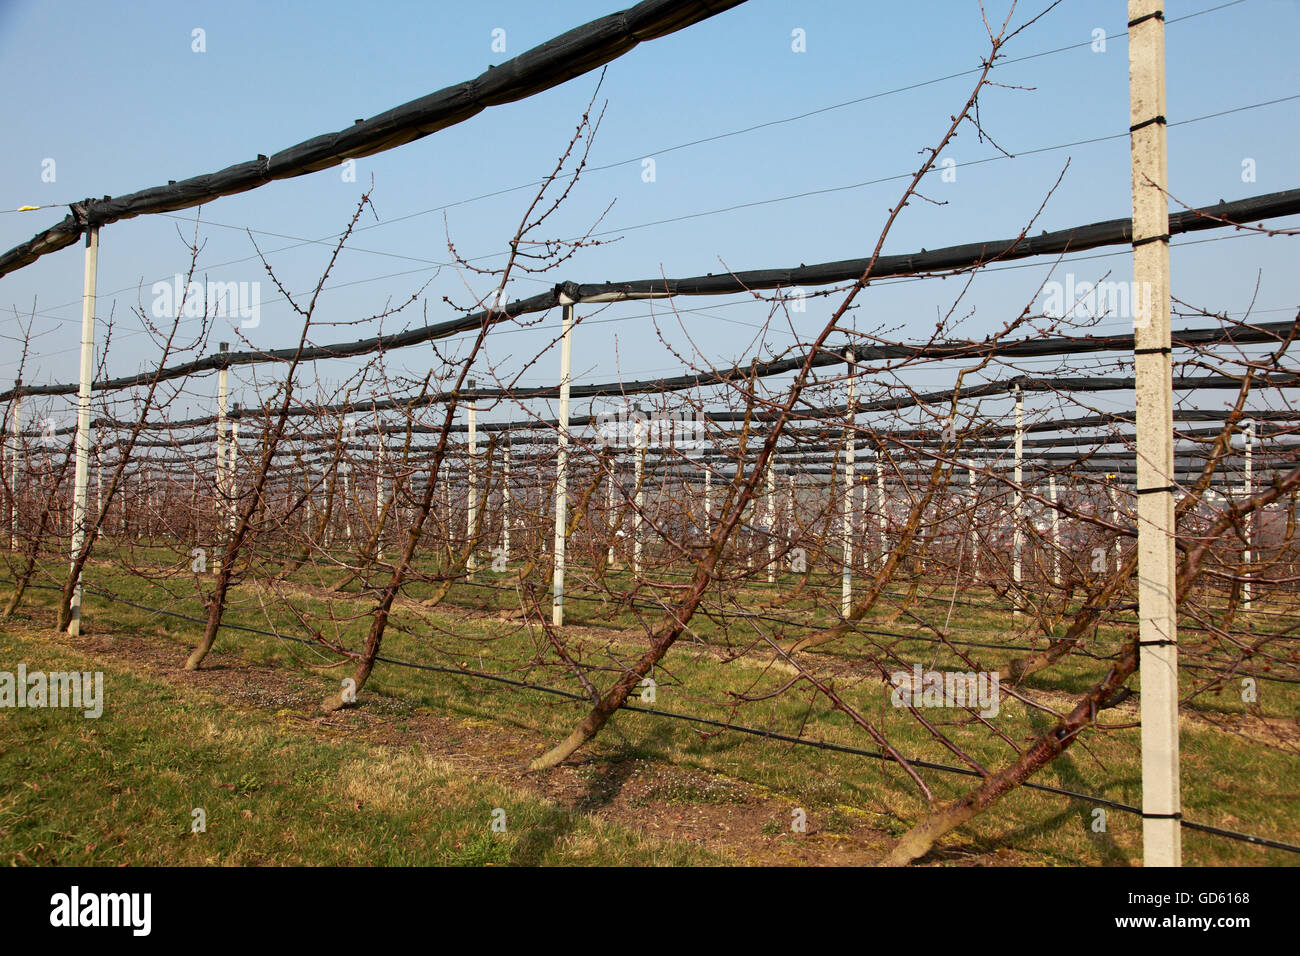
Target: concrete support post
column 974, row 523
column 609, row 508
column 1018, row 508
column 846, row 506
column 562, row 470
column 771, row 523
column 82, row 473
column 505, row 505
column 347, row 499
column 14, row 459
column 708, row 500
column 471, row 484
column 381, row 492
column 232, row 476
column 444, row 476
column 223, row 487
column 1056, row 531
column 636, row 515
column 1115, row 520
column 880, row 505
column 790, row 523
column 1157, row 592
column 1248, row 525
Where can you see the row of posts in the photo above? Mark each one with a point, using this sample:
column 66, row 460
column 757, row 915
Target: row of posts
column 226, row 456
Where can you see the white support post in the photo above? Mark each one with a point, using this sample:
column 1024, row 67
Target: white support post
column 639, row 504
column 880, row 505
column 1115, row 520
column 846, row 527
column 232, row 476
column 381, row 491
column 708, row 500
column 974, row 523
column 347, row 498
column 14, row 459
column 505, row 504
column 1056, row 531
column 471, row 484
column 444, row 476
column 82, row 473
column 862, row 524
column 609, row 508
column 1247, row 529
column 327, row 513
column 790, row 523
column 1157, row 587
column 1017, row 511
column 927, row 523
column 562, row 469
column 223, row 488
column 771, row 523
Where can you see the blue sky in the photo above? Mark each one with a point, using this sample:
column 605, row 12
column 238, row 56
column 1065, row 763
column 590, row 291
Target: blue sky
column 119, row 100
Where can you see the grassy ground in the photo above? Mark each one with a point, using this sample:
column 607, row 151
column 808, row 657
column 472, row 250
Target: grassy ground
column 122, row 789
column 414, row 773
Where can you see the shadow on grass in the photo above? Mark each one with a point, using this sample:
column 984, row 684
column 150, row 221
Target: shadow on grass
column 609, row 774
column 1068, row 777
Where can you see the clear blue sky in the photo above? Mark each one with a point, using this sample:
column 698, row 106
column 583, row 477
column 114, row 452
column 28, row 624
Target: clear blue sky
column 114, row 94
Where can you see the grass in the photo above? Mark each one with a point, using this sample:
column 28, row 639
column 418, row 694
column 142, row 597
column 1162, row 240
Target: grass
column 123, row 789
column 1228, row 780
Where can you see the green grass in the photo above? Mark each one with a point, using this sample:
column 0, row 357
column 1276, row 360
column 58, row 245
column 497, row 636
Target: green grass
column 122, row 790
column 1228, row 781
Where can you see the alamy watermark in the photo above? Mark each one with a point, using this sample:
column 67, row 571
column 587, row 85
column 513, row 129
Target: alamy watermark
column 79, row 690
column 919, row 688
column 1076, row 299
column 213, row 300
column 634, row 428
column 133, row 911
